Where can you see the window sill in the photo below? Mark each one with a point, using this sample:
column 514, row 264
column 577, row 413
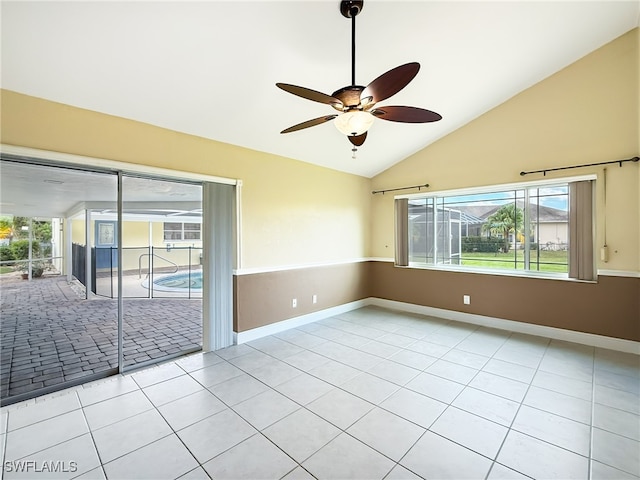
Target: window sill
column 182, row 243
column 498, row 272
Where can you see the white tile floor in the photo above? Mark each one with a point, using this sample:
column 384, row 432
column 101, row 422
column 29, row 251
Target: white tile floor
column 369, row 394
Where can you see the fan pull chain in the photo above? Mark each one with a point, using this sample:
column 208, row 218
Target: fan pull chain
column 354, row 150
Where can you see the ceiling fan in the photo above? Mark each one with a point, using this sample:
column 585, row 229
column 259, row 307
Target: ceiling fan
column 357, row 104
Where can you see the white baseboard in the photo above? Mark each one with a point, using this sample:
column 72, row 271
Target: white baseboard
column 278, row 327
column 590, row 339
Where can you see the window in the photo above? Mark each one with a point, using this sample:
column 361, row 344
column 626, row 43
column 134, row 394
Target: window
column 181, row 231
column 518, row 229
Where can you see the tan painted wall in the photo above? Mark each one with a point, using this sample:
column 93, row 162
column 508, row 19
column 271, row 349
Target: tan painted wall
column 586, row 113
column 135, row 234
column 77, row 231
column 292, row 212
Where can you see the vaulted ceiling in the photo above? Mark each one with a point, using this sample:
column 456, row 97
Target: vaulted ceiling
column 209, row 68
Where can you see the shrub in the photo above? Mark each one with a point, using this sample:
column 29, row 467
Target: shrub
column 6, row 254
column 37, row 267
column 481, row 244
column 20, row 249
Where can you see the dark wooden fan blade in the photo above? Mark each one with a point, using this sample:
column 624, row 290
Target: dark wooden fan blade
column 310, row 94
column 406, row 114
column 357, row 140
column 309, row 123
column 391, row 82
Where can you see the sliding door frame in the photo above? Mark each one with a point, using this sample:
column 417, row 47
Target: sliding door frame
column 214, row 319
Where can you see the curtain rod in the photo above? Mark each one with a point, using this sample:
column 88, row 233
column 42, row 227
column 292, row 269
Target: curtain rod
column 544, row 172
column 426, row 185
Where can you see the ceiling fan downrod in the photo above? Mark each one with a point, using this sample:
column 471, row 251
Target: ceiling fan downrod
column 351, row 9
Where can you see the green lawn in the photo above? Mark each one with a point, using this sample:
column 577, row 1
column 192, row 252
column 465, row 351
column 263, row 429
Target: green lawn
column 5, row 269
column 550, row 261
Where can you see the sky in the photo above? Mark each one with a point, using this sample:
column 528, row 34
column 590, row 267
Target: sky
column 555, row 197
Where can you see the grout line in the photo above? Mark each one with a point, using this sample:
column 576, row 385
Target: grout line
column 593, row 403
column 93, row 440
column 73, row 392
column 173, row 432
column 400, row 387
column 230, row 407
column 3, row 446
column 520, row 403
column 450, row 405
column 342, row 430
column 510, row 427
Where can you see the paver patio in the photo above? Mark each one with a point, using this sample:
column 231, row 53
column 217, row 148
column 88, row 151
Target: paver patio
column 50, row 334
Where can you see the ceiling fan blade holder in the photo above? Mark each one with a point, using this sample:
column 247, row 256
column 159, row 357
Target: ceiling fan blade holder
column 312, row 95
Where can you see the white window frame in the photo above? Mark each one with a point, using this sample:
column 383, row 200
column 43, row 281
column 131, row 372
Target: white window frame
column 182, row 231
column 494, row 189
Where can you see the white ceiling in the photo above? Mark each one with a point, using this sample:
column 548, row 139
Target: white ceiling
column 209, row 68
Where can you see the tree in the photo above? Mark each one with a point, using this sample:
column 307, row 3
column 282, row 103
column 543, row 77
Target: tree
column 507, row 219
column 6, row 228
column 41, row 229
column 18, row 232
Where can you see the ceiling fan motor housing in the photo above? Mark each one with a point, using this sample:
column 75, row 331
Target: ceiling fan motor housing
column 349, row 96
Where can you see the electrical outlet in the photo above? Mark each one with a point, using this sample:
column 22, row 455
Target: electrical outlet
column 294, row 303
column 314, row 299
column 466, row 299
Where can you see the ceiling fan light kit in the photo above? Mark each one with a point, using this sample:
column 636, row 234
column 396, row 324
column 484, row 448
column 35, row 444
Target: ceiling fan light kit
column 354, row 122
column 356, row 103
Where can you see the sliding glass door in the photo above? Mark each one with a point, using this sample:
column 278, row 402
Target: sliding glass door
column 101, row 272
column 54, row 332
column 161, row 269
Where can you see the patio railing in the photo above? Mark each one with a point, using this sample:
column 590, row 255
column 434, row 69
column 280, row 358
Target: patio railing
column 172, row 261
column 151, row 262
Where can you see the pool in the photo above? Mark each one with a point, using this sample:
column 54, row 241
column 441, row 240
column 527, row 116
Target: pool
column 179, row 282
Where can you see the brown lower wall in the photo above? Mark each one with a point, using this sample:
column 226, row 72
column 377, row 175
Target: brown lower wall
column 264, row 298
column 610, row 307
